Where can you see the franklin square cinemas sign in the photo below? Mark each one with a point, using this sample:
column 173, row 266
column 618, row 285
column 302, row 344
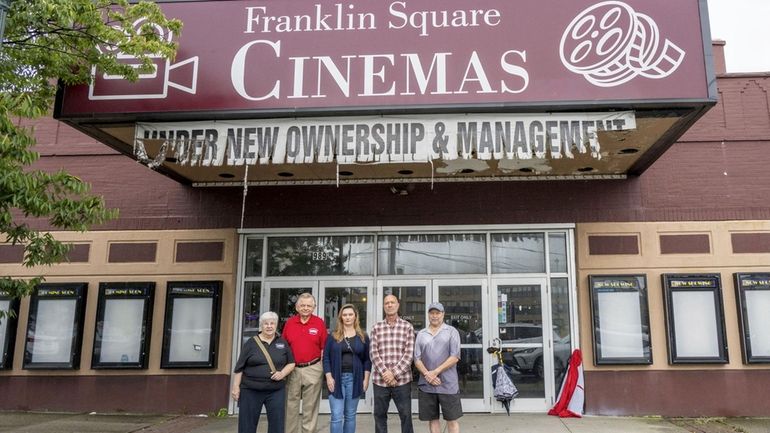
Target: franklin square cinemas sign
column 264, row 63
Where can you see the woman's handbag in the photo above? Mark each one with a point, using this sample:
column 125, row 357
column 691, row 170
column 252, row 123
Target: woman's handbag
column 267, row 355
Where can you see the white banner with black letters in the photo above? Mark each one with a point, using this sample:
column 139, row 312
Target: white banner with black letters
column 348, row 140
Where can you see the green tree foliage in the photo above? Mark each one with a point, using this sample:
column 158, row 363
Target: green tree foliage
column 45, row 42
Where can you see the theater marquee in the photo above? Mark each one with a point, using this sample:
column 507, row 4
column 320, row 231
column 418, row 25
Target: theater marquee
column 275, row 60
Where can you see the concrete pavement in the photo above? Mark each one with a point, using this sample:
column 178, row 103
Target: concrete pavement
column 26, row 422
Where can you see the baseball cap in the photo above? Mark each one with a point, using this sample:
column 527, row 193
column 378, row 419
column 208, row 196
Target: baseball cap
column 436, row 306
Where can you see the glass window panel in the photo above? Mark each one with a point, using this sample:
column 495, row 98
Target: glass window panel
column 757, row 308
column 620, row 325
column 121, row 332
column 54, row 331
column 470, row 372
column 561, row 329
column 695, row 324
column 190, row 330
column 283, row 302
column 432, row 254
column 519, row 309
column 411, row 307
column 557, row 252
column 252, row 292
column 336, row 297
column 518, row 253
column 321, row 255
column 411, row 302
column 524, row 364
column 462, row 305
column 254, row 257
column 5, row 306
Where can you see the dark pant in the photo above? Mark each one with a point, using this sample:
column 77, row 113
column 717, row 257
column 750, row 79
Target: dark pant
column 250, row 405
column 402, row 397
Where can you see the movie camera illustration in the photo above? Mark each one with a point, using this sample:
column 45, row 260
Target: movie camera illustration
column 182, row 75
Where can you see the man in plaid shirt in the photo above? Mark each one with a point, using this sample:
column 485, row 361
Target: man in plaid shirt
column 392, row 349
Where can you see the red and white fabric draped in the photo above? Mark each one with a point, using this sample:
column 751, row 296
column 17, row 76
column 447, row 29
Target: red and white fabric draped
column 572, row 395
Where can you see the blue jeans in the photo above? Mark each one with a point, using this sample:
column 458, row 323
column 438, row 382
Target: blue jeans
column 344, row 409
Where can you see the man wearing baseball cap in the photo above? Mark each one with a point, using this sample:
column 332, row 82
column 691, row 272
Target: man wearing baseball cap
column 436, row 353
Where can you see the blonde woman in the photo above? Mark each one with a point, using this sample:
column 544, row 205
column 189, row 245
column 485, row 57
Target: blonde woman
column 347, row 368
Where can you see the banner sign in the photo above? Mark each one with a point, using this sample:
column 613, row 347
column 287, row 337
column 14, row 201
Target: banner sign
column 378, row 139
column 273, row 56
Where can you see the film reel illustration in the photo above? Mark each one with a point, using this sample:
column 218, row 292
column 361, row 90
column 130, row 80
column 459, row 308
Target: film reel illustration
column 611, row 44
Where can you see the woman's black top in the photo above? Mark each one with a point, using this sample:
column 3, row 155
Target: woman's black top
column 255, row 368
column 347, row 357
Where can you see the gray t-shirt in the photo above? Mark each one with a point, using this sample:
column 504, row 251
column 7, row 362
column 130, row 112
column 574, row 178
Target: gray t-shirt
column 433, row 351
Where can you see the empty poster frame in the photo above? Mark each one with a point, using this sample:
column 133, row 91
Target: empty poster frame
column 7, row 329
column 123, row 325
column 621, row 319
column 695, row 319
column 55, row 326
column 191, row 329
column 752, row 293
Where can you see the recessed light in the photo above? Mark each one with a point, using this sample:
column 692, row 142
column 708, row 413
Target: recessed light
column 226, row 175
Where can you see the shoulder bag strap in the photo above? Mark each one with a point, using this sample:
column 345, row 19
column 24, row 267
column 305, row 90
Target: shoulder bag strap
column 267, row 355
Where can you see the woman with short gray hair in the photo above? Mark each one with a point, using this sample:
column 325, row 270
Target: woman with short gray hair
column 264, row 363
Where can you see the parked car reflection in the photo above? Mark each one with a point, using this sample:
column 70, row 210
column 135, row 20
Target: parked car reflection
column 529, row 360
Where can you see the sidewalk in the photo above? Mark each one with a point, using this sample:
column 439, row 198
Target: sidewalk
column 472, row 423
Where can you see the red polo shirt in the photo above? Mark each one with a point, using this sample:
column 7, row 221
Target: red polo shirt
column 306, row 340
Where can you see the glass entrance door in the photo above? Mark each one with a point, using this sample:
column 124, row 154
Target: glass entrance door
column 463, row 302
column 464, row 305
column 335, row 294
column 523, row 326
column 281, row 297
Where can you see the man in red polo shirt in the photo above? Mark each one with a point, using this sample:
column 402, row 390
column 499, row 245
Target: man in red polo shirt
column 306, row 335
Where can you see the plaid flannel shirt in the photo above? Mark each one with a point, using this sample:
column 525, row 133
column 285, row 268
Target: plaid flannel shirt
column 392, row 348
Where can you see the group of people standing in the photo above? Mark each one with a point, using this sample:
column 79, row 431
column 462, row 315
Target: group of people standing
column 278, row 372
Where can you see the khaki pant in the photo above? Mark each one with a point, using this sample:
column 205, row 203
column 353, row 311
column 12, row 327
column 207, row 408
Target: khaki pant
column 303, row 384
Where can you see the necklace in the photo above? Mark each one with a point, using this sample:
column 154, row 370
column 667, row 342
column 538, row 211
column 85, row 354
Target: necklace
column 352, row 333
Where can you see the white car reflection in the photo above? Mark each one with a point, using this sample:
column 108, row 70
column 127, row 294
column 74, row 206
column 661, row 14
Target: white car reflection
column 529, row 360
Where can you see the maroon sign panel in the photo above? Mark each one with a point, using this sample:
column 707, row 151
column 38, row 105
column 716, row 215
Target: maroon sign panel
column 279, row 56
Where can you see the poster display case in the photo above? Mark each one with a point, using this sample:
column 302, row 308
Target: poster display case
column 191, row 328
column 621, row 319
column 695, row 319
column 55, row 326
column 8, row 321
column 752, row 293
column 123, row 325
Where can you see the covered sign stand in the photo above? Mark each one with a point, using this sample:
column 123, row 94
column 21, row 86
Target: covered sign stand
column 572, row 394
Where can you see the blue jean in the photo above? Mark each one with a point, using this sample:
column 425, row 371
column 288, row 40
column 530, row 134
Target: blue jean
column 344, row 409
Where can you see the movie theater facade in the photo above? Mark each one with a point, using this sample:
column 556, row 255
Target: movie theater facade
column 531, row 165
